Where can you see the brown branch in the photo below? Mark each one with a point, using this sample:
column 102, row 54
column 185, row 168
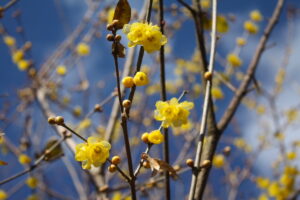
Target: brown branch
column 235, row 102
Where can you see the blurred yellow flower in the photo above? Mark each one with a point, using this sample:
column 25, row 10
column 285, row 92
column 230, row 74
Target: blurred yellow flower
column 83, row 49
column 218, row 160
column 61, row 70
column 255, row 15
column 32, row 182
column 24, row 159
column 3, row 195
column 234, row 60
column 251, row 27
column 9, row 40
column 140, row 79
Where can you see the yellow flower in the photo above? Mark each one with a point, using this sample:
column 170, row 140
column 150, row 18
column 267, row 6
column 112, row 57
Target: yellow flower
column 23, row 65
column 147, row 35
column 17, row 56
column 94, row 152
column 274, row 189
column 32, row 182
column 128, row 82
column 262, row 183
column 77, row 111
column 250, row 27
column 9, row 41
column 290, row 170
column 205, row 4
column 255, row 15
column 222, row 24
column 172, row 113
column 263, row 197
column 218, row 160
column 83, row 49
column 3, row 195
column 84, row 124
column 156, row 137
column 241, row 41
column 291, row 155
column 110, row 15
column 292, row 115
column 33, row 197
column 217, row 93
column 140, row 79
column 24, row 159
column 287, row 180
column 234, row 60
column 61, row 70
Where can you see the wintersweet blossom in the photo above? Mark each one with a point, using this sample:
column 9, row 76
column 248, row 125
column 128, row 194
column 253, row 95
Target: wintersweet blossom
column 172, row 113
column 156, row 137
column 147, row 35
column 94, row 152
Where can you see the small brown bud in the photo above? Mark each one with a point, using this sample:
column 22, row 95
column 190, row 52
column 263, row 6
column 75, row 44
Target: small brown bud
column 118, row 38
column 98, row 108
column 177, row 167
column 59, row 120
column 112, row 168
column 144, row 137
column 189, row 162
column 205, row 164
column 146, row 164
column 115, row 22
column 109, row 27
column 207, row 75
column 116, row 160
column 110, row 37
column 27, row 45
column 32, row 72
column 19, row 29
column 126, row 103
column 51, row 120
column 227, row 150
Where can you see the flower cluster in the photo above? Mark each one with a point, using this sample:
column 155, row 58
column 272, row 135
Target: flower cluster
column 139, row 79
column 172, row 112
column 94, row 152
column 147, row 35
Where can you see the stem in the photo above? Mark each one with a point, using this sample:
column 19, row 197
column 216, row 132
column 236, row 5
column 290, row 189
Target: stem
column 36, row 163
column 72, row 131
column 206, row 102
column 164, row 98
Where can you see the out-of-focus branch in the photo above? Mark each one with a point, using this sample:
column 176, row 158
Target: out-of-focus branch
column 235, row 102
column 206, row 104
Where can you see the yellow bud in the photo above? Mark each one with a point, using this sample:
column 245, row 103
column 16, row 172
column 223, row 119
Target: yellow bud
column 116, row 160
column 250, row 27
column 83, row 49
column 3, row 195
column 61, row 70
column 9, row 41
column 255, row 15
column 219, row 161
column 24, row 159
column 189, row 162
column 145, row 137
column 112, row 168
column 32, row 182
column 23, row 65
column 128, row 82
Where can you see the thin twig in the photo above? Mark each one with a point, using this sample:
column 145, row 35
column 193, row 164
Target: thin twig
column 206, row 101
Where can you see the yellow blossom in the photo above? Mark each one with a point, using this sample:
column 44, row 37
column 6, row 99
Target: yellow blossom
column 217, row 93
column 251, row 27
column 9, row 41
column 292, row 115
column 17, row 56
column 156, row 137
column 263, row 197
column 32, row 182
column 147, row 35
column 33, row 197
column 255, row 15
column 140, row 79
column 222, row 24
column 205, row 4
column 3, row 195
column 287, row 180
column 84, row 124
column 172, row 113
column 110, row 15
column 234, row 60
column 260, row 109
column 262, row 183
column 77, row 111
column 290, row 170
column 94, row 152
column 127, row 81
column 61, row 70
column 83, row 49
column 241, row 41
column 24, row 159
column 218, row 160
column 23, row 65
column 291, row 155
column 274, row 189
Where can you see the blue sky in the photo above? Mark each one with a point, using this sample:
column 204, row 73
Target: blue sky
column 44, row 27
